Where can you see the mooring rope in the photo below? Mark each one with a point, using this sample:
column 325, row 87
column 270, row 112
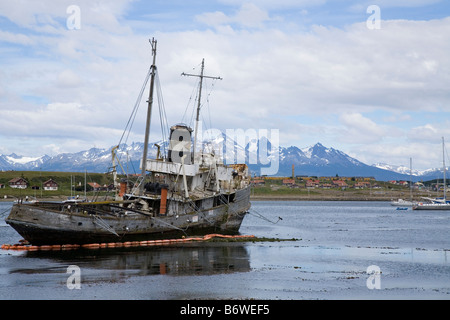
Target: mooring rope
column 259, row 215
column 3, row 212
column 102, row 223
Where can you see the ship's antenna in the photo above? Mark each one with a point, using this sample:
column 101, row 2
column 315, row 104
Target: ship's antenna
column 149, row 115
column 201, row 76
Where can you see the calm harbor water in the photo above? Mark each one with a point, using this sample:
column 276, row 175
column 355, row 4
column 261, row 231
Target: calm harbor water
column 335, row 244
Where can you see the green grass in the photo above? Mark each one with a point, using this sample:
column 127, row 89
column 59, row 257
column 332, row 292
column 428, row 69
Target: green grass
column 37, row 178
column 282, row 190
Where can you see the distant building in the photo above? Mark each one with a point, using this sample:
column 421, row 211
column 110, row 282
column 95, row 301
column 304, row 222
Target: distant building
column 258, row 182
column 312, row 183
column 340, row 184
column 18, row 183
column 95, row 186
column 105, row 187
column 288, row 182
column 50, row 185
column 361, row 185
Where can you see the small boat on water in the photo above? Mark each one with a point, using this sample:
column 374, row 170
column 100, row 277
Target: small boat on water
column 406, row 203
column 431, row 206
column 436, row 203
column 403, row 203
column 186, row 192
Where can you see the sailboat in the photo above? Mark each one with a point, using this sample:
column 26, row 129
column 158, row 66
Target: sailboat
column 401, row 203
column 436, row 203
column 188, row 192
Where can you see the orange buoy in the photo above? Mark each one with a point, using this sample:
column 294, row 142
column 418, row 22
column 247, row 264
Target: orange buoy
column 21, row 246
column 91, row 246
column 69, row 246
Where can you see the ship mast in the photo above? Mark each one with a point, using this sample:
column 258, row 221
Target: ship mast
column 149, row 115
column 197, row 119
column 443, row 163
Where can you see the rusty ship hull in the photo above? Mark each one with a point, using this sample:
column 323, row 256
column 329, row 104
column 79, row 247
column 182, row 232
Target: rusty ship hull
column 61, row 223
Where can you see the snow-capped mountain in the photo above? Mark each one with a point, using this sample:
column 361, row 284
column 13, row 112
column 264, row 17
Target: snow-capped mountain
column 401, row 169
column 428, row 174
column 15, row 162
column 316, row 160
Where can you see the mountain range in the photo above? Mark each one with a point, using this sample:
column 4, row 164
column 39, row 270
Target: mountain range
column 316, row 160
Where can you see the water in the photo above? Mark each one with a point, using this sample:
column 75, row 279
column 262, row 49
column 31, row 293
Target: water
column 335, row 243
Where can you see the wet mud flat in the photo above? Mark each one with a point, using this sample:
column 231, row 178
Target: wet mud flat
column 335, row 245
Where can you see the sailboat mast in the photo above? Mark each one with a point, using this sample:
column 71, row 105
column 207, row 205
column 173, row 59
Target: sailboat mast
column 443, row 162
column 410, row 180
column 149, row 115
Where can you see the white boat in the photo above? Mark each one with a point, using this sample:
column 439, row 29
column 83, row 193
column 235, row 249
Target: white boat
column 436, row 203
column 432, row 206
column 406, row 203
column 403, row 203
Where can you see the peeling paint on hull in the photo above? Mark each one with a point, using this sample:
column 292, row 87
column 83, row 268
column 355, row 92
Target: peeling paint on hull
column 50, row 224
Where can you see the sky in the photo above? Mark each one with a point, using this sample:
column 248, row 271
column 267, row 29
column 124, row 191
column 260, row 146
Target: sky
column 370, row 78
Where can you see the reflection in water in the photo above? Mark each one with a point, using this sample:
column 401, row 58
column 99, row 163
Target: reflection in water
column 185, row 259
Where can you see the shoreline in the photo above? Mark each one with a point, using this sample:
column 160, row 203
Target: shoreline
column 316, row 198
column 268, row 197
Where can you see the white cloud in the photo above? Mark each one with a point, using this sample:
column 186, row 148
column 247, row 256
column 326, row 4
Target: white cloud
column 86, row 81
column 280, row 4
column 40, row 15
column 405, row 3
column 359, row 129
column 248, row 15
column 429, row 133
column 67, row 78
column 16, row 38
column 213, row 18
